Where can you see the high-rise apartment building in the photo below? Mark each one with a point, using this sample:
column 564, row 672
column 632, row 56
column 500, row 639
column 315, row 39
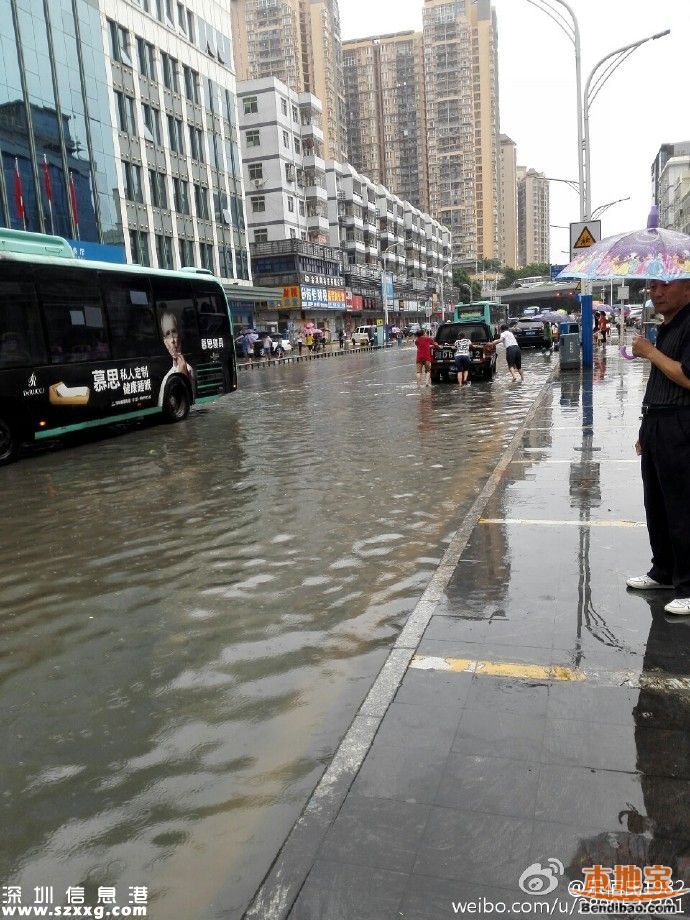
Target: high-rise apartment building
column 297, row 42
column 461, row 72
column 533, row 217
column 508, row 215
column 118, row 124
column 386, row 120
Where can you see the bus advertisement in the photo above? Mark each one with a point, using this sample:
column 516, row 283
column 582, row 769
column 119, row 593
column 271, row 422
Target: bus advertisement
column 84, row 344
column 485, row 311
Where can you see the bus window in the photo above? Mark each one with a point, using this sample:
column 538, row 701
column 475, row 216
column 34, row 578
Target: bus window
column 175, row 296
column 21, row 337
column 73, row 314
column 213, row 314
column 132, row 321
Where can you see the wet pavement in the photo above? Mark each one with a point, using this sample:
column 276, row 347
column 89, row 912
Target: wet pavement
column 193, row 614
column 533, row 711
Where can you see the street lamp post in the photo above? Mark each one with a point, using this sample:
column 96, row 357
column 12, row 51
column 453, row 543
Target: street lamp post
column 443, row 302
column 572, row 31
column 595, row 82
column 385, row 294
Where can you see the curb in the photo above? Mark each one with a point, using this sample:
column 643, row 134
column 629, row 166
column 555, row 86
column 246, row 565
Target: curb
column 284, row 880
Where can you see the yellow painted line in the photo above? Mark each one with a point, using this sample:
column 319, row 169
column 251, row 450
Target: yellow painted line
column 497, row 668
column 644, row 680
column 536, row 461
column 597, row 522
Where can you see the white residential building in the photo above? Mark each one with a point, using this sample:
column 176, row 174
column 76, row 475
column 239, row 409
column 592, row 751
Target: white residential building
column 674, row 185
column 533, row 217
column 283, row 166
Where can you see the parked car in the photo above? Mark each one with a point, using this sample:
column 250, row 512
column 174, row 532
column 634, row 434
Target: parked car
column 532, row 333
column 530, row 312
column 280, row 344
column 363, row 335
column 482, row 352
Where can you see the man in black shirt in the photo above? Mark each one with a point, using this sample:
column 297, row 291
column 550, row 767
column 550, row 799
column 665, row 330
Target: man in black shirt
column 664, row 444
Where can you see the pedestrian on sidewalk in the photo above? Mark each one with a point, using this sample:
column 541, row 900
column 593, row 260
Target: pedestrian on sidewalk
column 462, row 360
column 603, row 327
column 341, row 338
column 425, row 349
column 513, row 353
column 664, row 445
column 300, row 343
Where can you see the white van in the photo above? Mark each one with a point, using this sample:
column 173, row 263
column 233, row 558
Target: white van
column 363, row 334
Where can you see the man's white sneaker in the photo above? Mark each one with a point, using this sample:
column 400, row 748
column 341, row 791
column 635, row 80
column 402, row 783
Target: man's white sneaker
column 681, row 606
column 645, row 583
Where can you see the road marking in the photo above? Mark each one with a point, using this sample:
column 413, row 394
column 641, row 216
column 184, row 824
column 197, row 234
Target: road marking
column 497, row 668
column 597, row 522
column 536, row 461
column 642, row 680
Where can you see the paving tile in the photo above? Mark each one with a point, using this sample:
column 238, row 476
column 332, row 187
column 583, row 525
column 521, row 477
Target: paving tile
column 410, row 725
column 582, row 796
column 394, row 773
column 499, row 733
column 489, row 784
column 593, row 703
column 337, row 891
column 456, row 629
column 473, row 847
column 434, row 688
column 381, row 833
column 509, row 695
column 434, row 898
column 589, row 744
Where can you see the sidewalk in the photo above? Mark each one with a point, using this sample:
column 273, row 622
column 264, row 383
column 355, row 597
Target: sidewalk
column 333, row 350
column 532, row 708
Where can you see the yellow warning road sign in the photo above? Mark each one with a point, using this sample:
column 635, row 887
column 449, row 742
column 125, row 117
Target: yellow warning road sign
column 584, row 240
column 583, row 235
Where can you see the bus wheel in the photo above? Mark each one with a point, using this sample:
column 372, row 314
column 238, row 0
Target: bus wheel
column 176, row 401
column 9, row 445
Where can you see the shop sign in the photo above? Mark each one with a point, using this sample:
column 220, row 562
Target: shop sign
column 357, row 302
column 320, row 280
column 320, row 298
column 291, row 299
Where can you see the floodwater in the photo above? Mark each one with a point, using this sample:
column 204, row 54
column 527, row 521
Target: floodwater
column 192, row 614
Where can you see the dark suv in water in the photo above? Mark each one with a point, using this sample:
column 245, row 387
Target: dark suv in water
column 482, row 352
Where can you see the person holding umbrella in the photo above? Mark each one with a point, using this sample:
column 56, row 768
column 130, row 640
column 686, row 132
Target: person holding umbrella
column 664, row 445
column 661, row 257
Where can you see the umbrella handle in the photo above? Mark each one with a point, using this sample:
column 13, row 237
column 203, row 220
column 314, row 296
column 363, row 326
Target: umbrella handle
column 624, row 353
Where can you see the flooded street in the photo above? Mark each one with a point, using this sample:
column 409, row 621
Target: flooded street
column 192, row 614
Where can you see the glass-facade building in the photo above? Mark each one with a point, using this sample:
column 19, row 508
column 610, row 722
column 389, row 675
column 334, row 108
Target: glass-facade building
column 118, row 126
column 59, row 165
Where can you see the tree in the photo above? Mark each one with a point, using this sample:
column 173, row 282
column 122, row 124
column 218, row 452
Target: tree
column 461, row 277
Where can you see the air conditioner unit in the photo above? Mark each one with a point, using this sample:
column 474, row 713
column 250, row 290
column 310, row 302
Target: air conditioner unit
column 258, row 183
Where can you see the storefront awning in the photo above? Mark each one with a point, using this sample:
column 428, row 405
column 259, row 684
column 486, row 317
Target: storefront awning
column 245, row 294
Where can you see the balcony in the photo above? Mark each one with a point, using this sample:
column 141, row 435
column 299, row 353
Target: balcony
column 316, row 193
column 317, row 223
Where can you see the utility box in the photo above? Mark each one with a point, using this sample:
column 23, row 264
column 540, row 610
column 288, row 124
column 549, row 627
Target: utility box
column 570, row 350
column 649, row 331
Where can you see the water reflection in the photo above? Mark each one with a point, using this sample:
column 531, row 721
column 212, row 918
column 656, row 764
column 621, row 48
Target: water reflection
column 193, row 614
column 653, row 829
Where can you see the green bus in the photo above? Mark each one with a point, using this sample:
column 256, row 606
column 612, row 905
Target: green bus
column 485, row 311
column 84, row 343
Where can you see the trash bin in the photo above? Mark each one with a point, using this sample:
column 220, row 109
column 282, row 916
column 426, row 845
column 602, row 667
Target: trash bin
column 569, row 350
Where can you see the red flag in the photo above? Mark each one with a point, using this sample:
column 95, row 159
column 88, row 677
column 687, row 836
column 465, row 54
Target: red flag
column 47, row 183
column 73, row 201
column 18, row 193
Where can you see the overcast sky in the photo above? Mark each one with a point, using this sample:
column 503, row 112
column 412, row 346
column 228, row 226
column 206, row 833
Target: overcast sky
column 645, row 103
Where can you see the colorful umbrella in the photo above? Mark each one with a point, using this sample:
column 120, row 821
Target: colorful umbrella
column 653, row 253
